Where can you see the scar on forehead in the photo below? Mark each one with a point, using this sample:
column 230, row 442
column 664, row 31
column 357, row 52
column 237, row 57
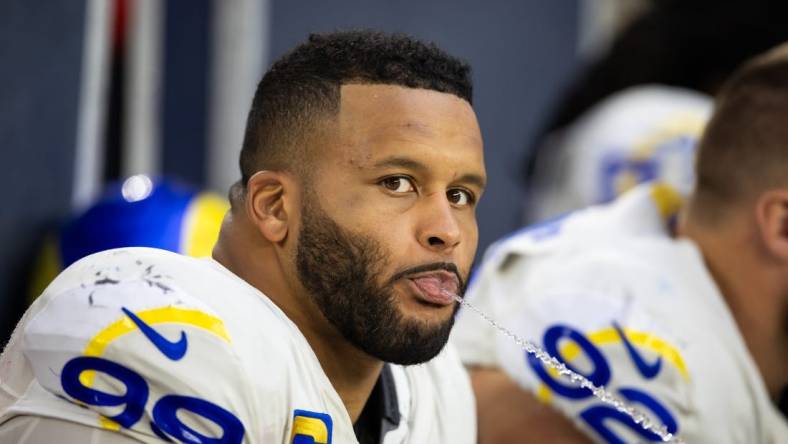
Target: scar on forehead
column 427, row 130
column 417, row 126
column 360, row 160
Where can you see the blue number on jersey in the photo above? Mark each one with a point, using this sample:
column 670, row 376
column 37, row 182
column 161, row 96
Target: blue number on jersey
column 599, row 416
column 165, row 419
column 165, row 423
column 136, row 388
column 600, row 376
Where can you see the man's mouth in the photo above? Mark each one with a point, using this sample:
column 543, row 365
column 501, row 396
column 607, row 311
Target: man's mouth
column 436, row 287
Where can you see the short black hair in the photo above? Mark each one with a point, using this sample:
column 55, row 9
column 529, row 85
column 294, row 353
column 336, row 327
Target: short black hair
column 304, row 84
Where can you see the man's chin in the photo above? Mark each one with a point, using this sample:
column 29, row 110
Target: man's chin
column 418, row 340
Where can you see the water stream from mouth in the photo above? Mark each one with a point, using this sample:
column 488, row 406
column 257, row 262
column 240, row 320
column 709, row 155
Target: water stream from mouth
column 600, row 392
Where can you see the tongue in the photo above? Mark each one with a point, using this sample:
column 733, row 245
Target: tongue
column 434, row 291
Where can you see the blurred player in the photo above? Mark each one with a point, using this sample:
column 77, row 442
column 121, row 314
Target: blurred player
column 689, row 325
column 635, row 114
column 350, row 233
column 641, row 134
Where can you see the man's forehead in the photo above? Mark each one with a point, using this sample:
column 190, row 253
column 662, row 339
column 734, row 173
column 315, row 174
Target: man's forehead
column 371, row 96
column 371, row 111
column 383, row 127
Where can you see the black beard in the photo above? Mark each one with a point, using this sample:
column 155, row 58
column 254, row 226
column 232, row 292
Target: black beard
column 341, row 271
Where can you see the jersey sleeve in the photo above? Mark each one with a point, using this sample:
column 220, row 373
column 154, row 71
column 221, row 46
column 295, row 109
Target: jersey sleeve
column 139, row 356
column 586, row 312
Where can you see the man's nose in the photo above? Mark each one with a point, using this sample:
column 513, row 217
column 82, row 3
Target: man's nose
column 438, row 230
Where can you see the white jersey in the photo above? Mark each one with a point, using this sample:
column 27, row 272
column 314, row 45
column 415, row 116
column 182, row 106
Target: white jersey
column 643, row 133
column 159, row 346
column 609, row 292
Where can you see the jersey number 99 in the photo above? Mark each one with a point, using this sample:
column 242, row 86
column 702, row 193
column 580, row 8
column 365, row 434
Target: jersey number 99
column 165, row 422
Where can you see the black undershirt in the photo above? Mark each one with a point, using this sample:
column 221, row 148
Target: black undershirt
column 381, row 412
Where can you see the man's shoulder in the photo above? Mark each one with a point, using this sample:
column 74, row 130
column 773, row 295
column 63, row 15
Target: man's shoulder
column 147, row 323
column 652, row 281
column 643, row 212
column 132, row 299
column 607, row 245
column 153, row 277
column 109, row 266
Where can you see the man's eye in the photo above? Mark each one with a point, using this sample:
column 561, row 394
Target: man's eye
column 398, row 184
column 459, row 197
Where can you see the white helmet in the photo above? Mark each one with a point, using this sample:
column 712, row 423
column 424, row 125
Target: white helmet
column 639, row 134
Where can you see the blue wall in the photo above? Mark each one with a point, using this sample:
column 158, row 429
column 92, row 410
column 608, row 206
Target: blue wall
column 40, row 62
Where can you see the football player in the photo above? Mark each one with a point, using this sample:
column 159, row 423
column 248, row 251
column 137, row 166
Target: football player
column 679, row 309
column 641, row 134
column 350, row 235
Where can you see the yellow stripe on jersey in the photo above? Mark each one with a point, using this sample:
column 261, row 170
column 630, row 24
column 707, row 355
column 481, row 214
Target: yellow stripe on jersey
column 201, row 224
column 645, row 340
column 609, row 336
column 667, row 200
column 162, row 315
column 543, row 392
column 108, row 424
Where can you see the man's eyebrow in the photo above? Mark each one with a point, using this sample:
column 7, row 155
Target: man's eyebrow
column 415, row 165
column 401, row 162
column 473, row 179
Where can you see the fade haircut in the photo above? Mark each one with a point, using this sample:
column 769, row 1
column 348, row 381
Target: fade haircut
column 302, row 88
column 744, row 149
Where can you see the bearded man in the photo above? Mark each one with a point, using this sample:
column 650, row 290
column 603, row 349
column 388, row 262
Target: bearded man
column 351, row 234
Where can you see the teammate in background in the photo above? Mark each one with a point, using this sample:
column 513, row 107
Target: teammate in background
column 351, row 231
column 640, row 134
column 636, row 113
column 687, row 321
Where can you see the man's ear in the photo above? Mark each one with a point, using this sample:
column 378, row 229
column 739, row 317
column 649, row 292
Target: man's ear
column 268, row 204
column 771, row 211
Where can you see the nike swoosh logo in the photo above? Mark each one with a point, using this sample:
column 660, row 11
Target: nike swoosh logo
column 647, row 370
column 172, row 350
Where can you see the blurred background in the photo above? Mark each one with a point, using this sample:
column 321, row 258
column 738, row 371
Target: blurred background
column 121, row 120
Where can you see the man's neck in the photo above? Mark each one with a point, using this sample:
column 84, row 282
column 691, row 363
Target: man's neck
column 352, row 373
column 753, row 290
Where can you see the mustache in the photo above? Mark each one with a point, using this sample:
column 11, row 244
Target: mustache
column 435, row 266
